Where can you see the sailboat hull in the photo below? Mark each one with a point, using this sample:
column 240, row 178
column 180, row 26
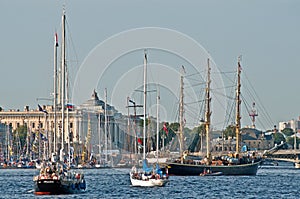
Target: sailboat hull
column 55, row 187
column 195, row 170
column 147, row 182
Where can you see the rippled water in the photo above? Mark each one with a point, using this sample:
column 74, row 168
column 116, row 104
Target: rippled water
column 270, row 182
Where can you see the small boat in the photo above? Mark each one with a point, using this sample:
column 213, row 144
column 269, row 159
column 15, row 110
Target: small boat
column 148, row 177
column 54, row 178
column 297, row 165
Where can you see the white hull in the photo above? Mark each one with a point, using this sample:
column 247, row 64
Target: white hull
column 297, row 165
column 154, row 160
column 148, row 182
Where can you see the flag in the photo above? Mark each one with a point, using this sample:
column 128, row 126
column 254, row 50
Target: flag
column 183, row 69
column 139, row 141
column 56, row 40
column 42, row 110
column 70, row 107
column 165, row 128
column 140, row 144
column 239, row 65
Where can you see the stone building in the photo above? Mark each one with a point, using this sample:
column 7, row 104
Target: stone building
column 252, row 138
column 85, row 123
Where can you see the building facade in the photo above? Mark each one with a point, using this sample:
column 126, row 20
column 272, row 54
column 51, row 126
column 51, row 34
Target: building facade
column 84, row 126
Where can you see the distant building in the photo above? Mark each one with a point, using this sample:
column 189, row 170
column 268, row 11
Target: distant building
column 292, row 124
column 252, row 138
column 85, row 124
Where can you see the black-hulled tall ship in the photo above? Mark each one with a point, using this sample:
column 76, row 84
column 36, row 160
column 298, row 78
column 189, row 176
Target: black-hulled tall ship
column 56, row 177
column 230, row 164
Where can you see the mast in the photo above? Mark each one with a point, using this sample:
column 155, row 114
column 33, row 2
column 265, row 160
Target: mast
column 63, row 85
column 238, row 108
column 181, row 118
column 207, row 111
column 128, row 127
column 145, row 100
column 99, row 134
column 55, row 90
column 105, row 123
column 157, row 124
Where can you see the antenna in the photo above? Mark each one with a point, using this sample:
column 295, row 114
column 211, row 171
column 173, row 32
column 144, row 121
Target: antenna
column 253, row 114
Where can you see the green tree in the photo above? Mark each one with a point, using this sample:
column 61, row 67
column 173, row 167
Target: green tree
column 288, row 131
column 291, row 141
column 278, row 138
column 229, row 131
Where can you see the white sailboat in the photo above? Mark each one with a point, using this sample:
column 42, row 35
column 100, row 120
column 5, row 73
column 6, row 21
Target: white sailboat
column 148, row 177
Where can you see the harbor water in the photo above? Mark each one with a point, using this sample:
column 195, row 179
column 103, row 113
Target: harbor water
column 270, row 182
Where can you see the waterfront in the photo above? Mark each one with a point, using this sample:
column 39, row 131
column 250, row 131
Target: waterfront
column 270, row 182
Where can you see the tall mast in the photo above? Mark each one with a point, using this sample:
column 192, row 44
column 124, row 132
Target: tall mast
column 63, row 84
column 145, row 100
column 181, row 117
column 238, row 108
column 157, row 124
column 207, row 111
column 105, row 123
column 99, row 134
column 55, row 89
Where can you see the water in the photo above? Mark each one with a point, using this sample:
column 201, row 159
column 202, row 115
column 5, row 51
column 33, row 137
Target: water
column 270, row 182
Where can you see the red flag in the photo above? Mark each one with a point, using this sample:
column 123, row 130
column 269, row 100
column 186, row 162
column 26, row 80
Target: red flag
column 165, row 128
column 56, row 40
column 139, row 141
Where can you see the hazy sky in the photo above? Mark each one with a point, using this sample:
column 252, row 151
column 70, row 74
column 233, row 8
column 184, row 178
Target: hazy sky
column 266, row 34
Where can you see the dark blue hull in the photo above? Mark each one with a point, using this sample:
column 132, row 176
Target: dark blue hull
column 195, row 170
column 55, row 187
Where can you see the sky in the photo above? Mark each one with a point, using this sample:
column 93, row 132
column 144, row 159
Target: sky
column 111, row 35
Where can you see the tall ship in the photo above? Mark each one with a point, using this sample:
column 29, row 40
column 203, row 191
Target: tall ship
column 229, row 164
column 55, row 175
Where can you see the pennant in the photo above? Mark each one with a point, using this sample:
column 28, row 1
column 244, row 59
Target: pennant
column 165, row 128
column 42, row 110
column 56, row 40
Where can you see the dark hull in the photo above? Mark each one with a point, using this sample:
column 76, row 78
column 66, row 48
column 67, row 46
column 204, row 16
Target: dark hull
column 195, row 170
column 54, row 187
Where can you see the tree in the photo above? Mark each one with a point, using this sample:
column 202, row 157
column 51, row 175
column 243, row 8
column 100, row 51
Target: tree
column 291, row 141
column 229, row 131
column 288, row 131
column 278, row 138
